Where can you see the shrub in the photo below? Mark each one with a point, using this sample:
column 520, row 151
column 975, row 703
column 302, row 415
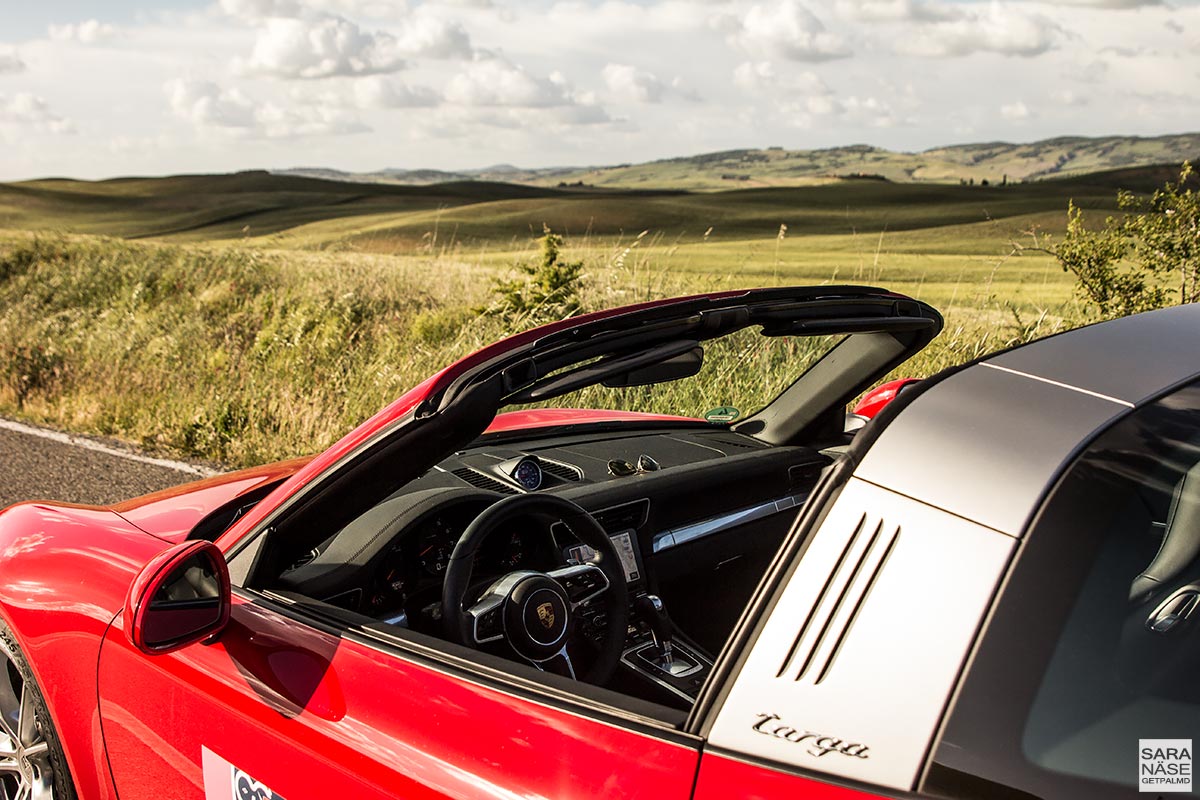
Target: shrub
column 550, row 291
column 1131, row 263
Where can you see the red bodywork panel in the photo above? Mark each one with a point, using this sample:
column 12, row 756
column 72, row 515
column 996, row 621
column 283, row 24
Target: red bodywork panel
column 311, row 714
column 722, row 777
column 549, row 417
column 874, row 401
column 66, row 571
column 171, row 513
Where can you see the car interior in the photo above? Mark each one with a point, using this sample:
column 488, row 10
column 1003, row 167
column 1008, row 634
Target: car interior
column 619, row 553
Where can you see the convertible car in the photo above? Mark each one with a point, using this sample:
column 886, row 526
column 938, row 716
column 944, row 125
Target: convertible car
column 986, row 590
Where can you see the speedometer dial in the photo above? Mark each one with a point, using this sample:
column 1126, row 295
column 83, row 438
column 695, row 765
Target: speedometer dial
column 435, row 546
column 528, row 473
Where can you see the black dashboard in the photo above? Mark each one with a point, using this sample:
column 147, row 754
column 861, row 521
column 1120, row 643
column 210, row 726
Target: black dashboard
column 685, row 507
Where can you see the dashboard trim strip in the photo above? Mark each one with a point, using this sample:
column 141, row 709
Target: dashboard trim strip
column 665, row 540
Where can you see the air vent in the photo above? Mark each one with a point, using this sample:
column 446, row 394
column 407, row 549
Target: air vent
column 805, row 476
column 732, row 441
column 623, row 517
column 564, row 472
column 481, row 481
column 826, row 627
column 739, row 443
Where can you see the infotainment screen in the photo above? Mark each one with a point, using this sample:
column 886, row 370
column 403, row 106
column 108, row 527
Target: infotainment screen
column 623, row 542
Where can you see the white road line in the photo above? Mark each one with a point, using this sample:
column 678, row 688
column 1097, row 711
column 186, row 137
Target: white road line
column 88, row 444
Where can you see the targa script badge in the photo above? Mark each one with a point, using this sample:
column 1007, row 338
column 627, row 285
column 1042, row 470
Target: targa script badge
column 816, row 744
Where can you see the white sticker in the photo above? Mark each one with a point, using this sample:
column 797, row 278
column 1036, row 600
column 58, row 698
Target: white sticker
column 224, row 781
column 1164, row 765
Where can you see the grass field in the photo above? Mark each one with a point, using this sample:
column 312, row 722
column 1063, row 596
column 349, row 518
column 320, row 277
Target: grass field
column 251, row 317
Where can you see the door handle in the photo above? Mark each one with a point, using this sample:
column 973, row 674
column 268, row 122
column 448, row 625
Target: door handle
column 1174, row 611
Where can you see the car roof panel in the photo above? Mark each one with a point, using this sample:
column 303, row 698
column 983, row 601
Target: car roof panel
column 1131, row 359
column 984, row 444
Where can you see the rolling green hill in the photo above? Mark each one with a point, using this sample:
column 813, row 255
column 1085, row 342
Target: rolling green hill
column 775, row 166
column 311, row 213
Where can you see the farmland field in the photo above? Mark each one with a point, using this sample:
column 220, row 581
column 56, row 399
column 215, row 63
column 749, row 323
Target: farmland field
column 239, row 318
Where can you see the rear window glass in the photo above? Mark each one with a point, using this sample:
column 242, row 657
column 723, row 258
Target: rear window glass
column 1086, row 683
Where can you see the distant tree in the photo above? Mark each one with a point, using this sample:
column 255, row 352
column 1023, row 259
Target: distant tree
column 1148, row 258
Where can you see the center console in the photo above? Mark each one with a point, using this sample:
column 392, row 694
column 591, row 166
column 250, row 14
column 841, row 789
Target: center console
column 660, row 658
column 655, row 663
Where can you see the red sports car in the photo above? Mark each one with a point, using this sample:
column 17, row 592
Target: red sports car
column 986, row 591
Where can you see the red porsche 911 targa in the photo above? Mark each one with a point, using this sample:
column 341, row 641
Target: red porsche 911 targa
column 986, row 591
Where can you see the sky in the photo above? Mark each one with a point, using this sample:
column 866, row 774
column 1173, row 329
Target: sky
column 150, row 87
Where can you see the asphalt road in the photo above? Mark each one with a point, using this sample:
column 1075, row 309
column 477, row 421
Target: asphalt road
column 37, row 465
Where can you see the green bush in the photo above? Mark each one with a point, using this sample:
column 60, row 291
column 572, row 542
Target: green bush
column 1147, row 259
column 550, row 291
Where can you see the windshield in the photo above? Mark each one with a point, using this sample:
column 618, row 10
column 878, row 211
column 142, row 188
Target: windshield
column 742, row 372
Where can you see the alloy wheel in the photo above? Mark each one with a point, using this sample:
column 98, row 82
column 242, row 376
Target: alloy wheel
column 26, row 772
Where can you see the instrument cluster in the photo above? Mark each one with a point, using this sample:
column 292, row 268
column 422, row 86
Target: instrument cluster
column 414, row 568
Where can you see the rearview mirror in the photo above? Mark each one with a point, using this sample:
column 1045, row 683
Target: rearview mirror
column 684, row 365
column 181, row 597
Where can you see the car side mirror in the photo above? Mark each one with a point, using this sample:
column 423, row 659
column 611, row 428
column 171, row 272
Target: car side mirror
column 181, row 597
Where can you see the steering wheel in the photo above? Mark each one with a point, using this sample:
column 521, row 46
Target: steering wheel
column 534, row 612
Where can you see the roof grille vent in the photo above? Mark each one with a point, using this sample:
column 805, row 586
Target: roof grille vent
column 816, row 647
column 481, row 481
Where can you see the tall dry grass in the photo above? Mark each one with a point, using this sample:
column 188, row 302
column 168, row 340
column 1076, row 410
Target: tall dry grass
column 238, row 356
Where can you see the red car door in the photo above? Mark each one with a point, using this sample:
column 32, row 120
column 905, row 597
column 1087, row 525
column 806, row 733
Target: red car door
column 283, row 707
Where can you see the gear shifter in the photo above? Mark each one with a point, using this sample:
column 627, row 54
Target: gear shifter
column 652, row 611
column 668, row 664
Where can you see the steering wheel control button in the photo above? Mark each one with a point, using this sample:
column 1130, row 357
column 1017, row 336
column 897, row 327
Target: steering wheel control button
column 584, row 585
column 489, row 624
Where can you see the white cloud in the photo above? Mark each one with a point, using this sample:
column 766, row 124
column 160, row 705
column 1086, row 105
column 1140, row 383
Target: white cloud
column 28, row 110
column 1066, row 97
column 88, row 32
column 207, row 106
column 496, row 82
column 804, row 96
column 320, row 48
column 633, row 84
column 753, row 75
column 894, row 10
column 253, row 10
column 997, row 29
column 785, row 29
column 1015, row 112
column 1114, row 4
column 203, row 103
column 1092, row 71
column 275, row 122
column 9, row 63
column 761, row 76
column 464, row 122
column 431, row 37
column 379, row 92
column 261, row 9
